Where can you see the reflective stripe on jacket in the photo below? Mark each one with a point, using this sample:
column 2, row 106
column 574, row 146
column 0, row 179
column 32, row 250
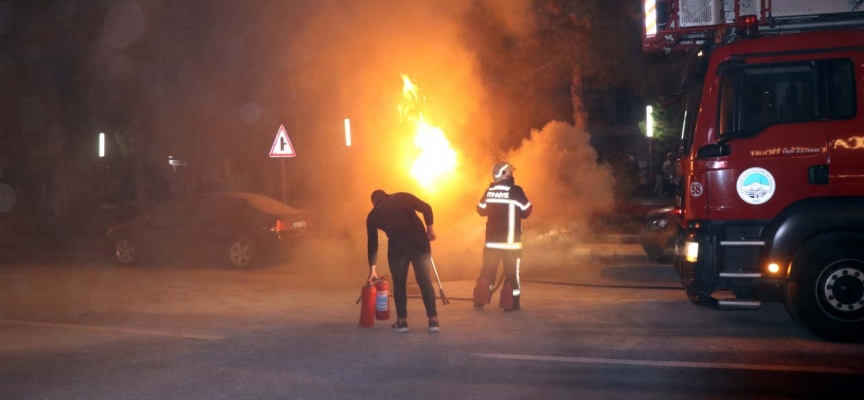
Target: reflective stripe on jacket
column 505, row 205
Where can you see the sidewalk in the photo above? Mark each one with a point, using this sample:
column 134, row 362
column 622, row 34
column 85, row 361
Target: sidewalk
column 80, row 232
column 51, row 242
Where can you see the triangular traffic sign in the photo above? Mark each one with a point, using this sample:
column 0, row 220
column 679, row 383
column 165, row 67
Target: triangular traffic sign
column 282, row 145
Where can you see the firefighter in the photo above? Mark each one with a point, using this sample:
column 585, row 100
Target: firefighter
column 505, row 205
column 408, row 243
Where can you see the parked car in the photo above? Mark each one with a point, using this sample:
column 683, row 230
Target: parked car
column 659, row 232
column 240, row 228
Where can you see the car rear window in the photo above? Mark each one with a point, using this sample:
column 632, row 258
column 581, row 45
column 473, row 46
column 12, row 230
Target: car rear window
column 268, row 205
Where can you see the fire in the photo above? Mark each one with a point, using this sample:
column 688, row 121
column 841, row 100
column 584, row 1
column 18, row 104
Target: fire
column 436, row 157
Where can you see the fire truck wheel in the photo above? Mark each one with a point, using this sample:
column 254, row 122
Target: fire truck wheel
column 825, row 293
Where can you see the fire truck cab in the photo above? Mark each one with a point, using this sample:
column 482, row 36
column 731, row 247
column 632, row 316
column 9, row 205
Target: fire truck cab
column 771, row 160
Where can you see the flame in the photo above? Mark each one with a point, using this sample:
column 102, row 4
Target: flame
column 436, row 157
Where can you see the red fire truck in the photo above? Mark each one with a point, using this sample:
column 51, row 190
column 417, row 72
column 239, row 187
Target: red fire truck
column 771, row 161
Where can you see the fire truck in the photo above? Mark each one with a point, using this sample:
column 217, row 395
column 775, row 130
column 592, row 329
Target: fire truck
column 771, row 159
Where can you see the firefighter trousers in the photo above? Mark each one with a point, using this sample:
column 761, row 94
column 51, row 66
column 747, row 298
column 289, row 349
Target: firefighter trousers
column 399, row 256
column 512, row 260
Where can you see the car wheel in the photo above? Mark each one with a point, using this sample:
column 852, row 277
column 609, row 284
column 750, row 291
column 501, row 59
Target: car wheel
column 825, row 295
column 242, row 252
column 125, row 251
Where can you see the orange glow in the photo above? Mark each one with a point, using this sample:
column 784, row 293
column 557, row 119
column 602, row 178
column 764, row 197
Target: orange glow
column 436, row 157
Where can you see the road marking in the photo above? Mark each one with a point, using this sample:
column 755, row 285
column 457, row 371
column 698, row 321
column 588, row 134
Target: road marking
column 673, row 364
column 184, row 335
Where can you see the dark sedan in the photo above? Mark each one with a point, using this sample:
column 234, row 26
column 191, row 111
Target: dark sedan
column 240, row 228
column 659, row 234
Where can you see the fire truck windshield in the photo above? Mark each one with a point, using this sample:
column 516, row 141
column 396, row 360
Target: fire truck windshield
column 755, row 97
column 692, row 90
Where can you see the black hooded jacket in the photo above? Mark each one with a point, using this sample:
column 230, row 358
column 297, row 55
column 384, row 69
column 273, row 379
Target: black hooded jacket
column 396, row 215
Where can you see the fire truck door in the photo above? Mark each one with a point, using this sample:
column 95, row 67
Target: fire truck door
column 845, row 174
column 781, row 104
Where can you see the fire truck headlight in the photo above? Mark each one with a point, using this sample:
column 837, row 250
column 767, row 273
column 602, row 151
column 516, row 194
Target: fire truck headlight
column 773, row 268
column 691, row 251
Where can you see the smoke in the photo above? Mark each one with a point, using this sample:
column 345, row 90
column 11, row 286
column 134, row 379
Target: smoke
column 227, row 74
column 567, row 185
column 351, row 56
column 348, row 61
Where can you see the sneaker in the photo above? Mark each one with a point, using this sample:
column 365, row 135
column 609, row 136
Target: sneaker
column 400, row 327
column 433, row 327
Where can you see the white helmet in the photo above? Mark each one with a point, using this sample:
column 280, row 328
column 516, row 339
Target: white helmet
column 502, row 170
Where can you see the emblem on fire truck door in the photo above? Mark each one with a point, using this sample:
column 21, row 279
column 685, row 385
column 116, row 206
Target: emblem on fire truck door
column 755, row 185
column 695, row 189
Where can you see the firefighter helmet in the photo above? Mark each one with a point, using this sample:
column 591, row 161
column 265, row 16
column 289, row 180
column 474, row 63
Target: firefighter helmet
column 502, row 170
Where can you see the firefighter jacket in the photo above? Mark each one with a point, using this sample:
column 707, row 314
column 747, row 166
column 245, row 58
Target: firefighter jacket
column 397, row 217
column 505, row 205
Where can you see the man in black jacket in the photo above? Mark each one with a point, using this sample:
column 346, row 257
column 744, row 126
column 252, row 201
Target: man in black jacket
column 409, row 242
column 505, row 205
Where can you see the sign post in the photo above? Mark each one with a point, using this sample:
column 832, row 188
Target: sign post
column 282, row 148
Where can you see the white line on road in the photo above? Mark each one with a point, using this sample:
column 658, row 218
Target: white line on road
column 673, row 364
column 109, row 329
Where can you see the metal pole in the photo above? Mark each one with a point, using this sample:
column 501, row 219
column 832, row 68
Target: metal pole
column 650, row 164
column 441, row 294
column 649, row 132
column 284, row 191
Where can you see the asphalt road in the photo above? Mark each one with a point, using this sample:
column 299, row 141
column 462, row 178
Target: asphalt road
column 83, row 328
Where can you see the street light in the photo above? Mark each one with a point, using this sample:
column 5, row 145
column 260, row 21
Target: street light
column 649, row 121
column 347, row 132
column 101, row 145
column 649, row 132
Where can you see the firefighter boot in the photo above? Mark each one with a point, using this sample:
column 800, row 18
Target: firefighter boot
column 515, row 305
column 506, row 300
column 482, row 293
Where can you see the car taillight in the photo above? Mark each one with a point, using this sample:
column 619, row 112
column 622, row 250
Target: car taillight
column 280, row 225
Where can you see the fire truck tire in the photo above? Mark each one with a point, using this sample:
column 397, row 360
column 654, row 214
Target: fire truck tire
column 825, row 292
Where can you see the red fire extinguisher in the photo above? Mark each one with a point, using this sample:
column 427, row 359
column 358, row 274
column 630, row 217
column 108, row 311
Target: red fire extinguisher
column 382, row 301
column 367, row 306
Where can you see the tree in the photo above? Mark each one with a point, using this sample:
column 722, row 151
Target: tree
column 531, row 73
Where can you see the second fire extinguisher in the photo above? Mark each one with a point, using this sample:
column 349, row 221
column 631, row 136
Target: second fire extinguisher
column 382, row 300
